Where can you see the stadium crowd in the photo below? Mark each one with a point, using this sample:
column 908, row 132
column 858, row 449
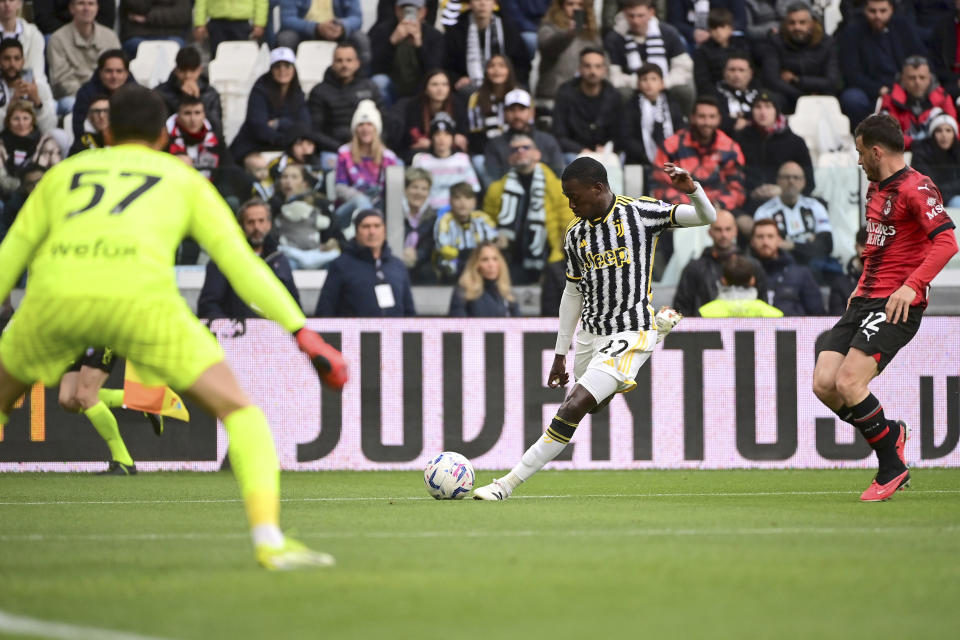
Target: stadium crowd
column 448, row 91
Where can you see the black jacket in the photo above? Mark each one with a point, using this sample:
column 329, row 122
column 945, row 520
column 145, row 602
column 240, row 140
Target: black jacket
column 709, row 59
column 172, row 95
column 164, row 18
column 256, row 134
column 633, row 128
column 794, row 290
column 581, row 121
column 403, row 61
column 943, row 167
column 700, row 283
column 349, row 290
column 455, row 39
column 490, row 304
column 815, row 66
column 85, row 97
column 50, row 15
column 332, row 104
column 870, row 60
column 763, row 153
column 219, row 300
column 944, row 53
column 843, row 285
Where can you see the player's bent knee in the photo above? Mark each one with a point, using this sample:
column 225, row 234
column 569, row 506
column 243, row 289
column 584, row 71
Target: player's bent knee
column 851, row 386
column 576, row 404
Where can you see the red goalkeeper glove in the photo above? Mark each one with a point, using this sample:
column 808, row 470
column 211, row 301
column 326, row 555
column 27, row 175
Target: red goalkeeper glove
column 329, row 363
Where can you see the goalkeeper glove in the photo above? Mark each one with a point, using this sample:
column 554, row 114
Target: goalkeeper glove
column 329, row 363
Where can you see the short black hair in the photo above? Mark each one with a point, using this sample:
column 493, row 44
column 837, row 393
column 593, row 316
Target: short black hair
column 113, row 53
column 587, row 170
column 880, row 129
column 592, row 49
column 136, row 113
column 737, row 271
column 738, row 54
column 707, row 99
column 189, row 101
column 719, row 17
column 188, row 58
column 11, row 43
column 649, row 67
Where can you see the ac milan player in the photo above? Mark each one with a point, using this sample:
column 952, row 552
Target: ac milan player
column 909, row 239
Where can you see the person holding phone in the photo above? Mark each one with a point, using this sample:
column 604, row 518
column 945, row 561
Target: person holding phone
column 404, row 49
column 568, row 27
column 20, row 85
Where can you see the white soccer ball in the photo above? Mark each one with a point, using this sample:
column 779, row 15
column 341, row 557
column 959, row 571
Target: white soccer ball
column 448, row 476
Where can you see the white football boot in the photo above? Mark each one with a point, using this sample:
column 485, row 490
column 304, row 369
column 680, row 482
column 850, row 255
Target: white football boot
column 492, row 491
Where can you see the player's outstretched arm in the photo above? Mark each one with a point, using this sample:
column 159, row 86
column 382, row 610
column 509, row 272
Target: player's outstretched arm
column 701, row 211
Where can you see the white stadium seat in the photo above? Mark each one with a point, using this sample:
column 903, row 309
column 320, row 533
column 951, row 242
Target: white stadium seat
column 821, row 124
column 154, row 62
column 232, row 73
column 313, row 59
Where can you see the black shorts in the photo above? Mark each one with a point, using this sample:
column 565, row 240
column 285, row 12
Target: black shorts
column 97, row 358
column 864, row 326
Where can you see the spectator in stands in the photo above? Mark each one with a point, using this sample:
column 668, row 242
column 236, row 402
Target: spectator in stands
column 485, row 106
column 871, row 53
column 650, row 117
column 29, row 176
column 690, row 17
column 527, row 15
column 74, row 51
column 419, row 217
column 217, row 297
column 763, row 19
column 587, row 115
column 568, row 27
column 938, row 157
column 308, row 236
column 404, row 49
column 710, row 155
column 142, row 20
column 736, row 92
column 915, row 98
column 945, row 54
column 50, row 15
column 224, row 20
column 766, row 144
column 710, row 56
column 191, row 133
column 530, row 210
column 460, row 231
column 23, row 85
column 98, row 119
column 52, row 148
column 800, row 60
column 362, row 166
column 367, row 280
column 113, row 71
column 333, row 101
column 12, row 26
column 444, row 163
column 518, row 116
column 330, row 20
column 791, row 287
column 276, row 106
column 478, row 35
column 417, row 113
column 699, row 282
column 803, row 222
column 843, row 286
column 302, row 148
column 737, row 295
column 484, row 289
column 258, row 170
column 19, row 138
column 648, row 40
column 188, row 79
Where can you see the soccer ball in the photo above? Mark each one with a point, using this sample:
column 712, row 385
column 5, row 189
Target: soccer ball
column 448, row 476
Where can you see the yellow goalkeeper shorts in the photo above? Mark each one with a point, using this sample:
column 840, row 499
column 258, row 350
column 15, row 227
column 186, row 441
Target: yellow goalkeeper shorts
column 160, row 335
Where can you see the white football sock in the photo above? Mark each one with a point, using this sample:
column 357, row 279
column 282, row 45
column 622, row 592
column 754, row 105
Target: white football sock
column 268, row 534
column 540, row 453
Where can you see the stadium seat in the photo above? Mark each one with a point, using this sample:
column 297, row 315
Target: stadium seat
column 154, row 62
column 393, row 197
column 633, row 180
column 831, row 16
column 313, row 59
column 821, row 124
column 688, row 244
column 232, row 73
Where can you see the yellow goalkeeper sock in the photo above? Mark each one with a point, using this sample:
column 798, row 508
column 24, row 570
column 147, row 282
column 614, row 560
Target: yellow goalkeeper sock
column 106, row 425
column 255, row 466
column 113, row 398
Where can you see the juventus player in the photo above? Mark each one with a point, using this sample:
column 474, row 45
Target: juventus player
column 909, row 240
column 609, row 246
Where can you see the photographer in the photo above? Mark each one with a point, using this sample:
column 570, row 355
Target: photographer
column 19, row 85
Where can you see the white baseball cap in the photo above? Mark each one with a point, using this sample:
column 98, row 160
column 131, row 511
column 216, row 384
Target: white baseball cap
column 517, row 96
column 282, row 54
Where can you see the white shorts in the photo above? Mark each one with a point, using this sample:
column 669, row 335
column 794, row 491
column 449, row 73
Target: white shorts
column 604, row 365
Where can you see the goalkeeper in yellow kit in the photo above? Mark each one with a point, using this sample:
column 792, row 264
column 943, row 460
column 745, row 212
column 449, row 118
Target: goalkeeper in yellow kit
column 99, row 234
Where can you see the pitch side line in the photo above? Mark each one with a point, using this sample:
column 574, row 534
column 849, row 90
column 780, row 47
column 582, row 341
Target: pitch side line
column 24, row 626
column 722, row 494
column 517, row 533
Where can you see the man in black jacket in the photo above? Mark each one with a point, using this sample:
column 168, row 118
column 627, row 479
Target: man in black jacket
column 50, row 15
column 187, row 79
column 478, row 35
column 404, row 48
column 791, row 287
column 333, row 101
column 801, row 59
column 588, row 113
column 217, row 297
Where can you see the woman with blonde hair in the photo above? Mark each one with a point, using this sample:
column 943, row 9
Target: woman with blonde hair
column 484, row 289
column 18, row 142
column 568, row 27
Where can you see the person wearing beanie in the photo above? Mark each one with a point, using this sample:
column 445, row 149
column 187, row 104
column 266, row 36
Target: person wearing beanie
column 938, row 157
column 445, row 164
column 275, row 107
column 367, row 280
column 362, row 166
column 767, row 142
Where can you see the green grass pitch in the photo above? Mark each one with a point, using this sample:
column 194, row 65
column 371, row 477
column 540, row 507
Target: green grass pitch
column 590, row 554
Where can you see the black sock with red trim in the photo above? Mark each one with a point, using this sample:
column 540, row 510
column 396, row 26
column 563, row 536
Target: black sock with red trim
column 881, row 434
column 845, row 413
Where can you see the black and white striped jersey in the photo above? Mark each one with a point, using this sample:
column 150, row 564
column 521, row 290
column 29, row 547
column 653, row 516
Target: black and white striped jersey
column 610, row 260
